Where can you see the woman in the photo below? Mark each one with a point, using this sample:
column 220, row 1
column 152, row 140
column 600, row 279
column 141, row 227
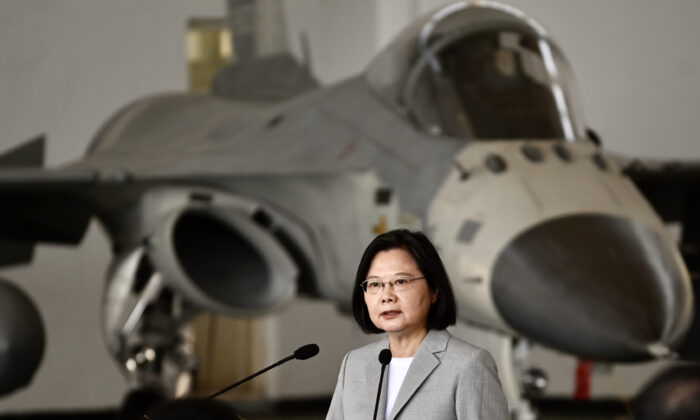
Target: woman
column 402, row 289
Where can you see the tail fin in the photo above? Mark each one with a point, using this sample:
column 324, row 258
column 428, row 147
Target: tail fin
column 35, row 211
column 262, row 67
column 274, row 78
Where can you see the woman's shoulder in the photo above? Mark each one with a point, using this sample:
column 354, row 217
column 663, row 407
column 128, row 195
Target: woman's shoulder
column 457, row 343
column 459, row 350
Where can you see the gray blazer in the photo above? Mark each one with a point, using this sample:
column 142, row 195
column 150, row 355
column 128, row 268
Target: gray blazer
column 448, row 379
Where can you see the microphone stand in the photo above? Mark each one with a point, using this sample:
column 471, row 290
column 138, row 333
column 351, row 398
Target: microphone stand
column 384, row 359
column 216, row 394
column 302, row 353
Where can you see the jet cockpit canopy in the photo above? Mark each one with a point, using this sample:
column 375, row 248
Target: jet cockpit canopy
column 479, row 70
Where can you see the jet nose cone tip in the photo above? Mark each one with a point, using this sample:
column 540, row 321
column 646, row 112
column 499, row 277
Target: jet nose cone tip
column 660, row 350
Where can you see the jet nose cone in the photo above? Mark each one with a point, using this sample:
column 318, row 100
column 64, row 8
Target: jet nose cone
column 602, row 287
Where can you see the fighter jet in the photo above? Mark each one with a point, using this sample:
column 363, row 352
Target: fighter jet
column 467, row 126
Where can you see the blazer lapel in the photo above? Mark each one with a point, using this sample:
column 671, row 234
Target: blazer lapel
column 424, row 362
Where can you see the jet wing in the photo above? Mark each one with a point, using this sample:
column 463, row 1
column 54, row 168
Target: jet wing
column 171, row 139
column 38, row 205
column 29, row 179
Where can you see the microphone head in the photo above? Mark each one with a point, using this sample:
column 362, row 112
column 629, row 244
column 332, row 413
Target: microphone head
column 385, row 357
column 306, row 352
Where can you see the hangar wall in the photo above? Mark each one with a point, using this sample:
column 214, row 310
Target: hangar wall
column 66, row 66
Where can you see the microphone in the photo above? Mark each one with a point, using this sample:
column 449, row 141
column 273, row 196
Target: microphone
column 302, row 353
column 384, row 359
column 306, row 352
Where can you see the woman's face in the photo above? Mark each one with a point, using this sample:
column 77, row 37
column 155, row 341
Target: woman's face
column 399, row 313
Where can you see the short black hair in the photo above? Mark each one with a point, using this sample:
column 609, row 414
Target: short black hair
column 443, row 312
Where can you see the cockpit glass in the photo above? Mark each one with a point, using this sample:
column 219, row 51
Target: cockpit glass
column 477, row 75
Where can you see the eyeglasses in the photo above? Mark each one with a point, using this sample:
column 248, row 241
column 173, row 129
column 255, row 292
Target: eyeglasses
column 398, row 283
